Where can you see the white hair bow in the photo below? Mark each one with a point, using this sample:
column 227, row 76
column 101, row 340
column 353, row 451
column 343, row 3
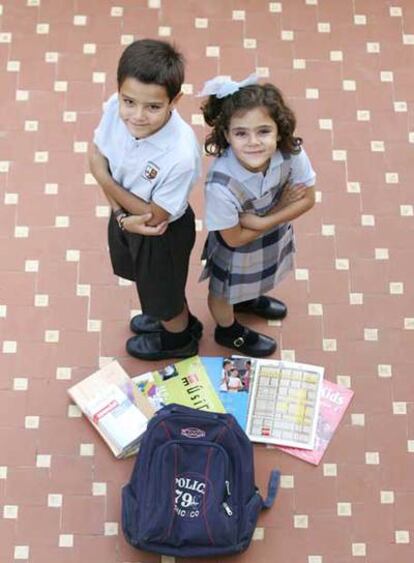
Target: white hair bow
column 222, row 86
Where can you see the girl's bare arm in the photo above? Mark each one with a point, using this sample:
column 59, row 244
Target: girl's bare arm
column 295, row 201
column 288, row 208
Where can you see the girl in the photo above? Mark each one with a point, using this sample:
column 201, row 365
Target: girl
column 260, row 180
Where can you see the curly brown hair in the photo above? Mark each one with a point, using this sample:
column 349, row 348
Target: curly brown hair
column 219, row 111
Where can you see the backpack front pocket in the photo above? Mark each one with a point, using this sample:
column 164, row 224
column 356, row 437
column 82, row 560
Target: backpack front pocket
column 188, row 496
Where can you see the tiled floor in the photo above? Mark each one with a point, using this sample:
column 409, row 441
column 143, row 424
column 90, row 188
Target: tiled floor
column 347, row 68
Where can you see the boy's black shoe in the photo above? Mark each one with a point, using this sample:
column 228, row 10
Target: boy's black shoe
column 263, row 306
column 148, row 346
column 145, row 324
column 248, row 343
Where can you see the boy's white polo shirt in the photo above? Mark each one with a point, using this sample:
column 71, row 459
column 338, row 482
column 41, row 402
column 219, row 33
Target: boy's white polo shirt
column 161, row 168
column 222, row 208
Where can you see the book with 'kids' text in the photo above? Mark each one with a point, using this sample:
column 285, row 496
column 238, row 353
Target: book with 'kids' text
column 334, row 402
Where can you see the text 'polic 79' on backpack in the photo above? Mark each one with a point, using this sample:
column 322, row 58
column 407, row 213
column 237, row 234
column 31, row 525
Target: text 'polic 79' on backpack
column 192, row 491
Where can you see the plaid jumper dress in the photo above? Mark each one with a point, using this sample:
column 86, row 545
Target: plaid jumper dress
column 245, row 272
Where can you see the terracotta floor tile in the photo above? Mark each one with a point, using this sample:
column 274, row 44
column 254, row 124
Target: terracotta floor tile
column 226, row 33
column 18, row 449
column 19, row 18
column 7, row 534
column 57, row 277
column 17, row 287
column 127, row 553
column 402, row 384
column 81, row 514
column 335, row 105
column 17, row 404
column 36, row 75
column 305, row 333
column 87, row 346
column 383, row 552
column 46, row 531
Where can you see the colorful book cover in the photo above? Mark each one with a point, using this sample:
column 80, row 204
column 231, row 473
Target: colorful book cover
column 232, row 380
column 334, row 402
column 117, row 417
column 114, row 407
column 185, row 382
column 284, row 403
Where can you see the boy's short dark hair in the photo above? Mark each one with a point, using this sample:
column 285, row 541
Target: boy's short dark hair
column 152, row 62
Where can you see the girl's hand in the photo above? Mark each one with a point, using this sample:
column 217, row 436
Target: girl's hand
column 250, row 221
column 290, row 194
column 137, row 224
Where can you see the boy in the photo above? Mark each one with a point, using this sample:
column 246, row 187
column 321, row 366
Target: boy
column 146, row 159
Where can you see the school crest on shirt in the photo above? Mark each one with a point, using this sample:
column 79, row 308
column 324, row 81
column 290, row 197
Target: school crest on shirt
column 151, row 171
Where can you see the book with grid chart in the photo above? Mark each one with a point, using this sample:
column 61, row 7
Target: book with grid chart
column 284, row 403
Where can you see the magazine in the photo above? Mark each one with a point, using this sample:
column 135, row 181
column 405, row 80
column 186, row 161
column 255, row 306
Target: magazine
column 284, row 403
column 113, row 405
column 334, row 402
column 185, row 382
column 232, row 379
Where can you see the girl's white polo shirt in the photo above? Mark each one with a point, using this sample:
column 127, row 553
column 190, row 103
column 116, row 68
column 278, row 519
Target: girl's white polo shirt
column 162, row 168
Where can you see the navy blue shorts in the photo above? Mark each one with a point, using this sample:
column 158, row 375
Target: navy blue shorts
column 158, row 265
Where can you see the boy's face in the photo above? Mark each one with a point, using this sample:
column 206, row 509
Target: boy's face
column 144, row 108
column 253, row 137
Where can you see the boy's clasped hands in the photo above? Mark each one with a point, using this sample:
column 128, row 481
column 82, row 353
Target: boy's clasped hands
column 138, row 224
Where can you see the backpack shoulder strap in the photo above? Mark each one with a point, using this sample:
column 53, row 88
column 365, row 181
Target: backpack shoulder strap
column 272, row 488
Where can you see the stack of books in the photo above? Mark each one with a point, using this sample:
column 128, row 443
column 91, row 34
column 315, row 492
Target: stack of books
column 288, row 405
column 115, row 407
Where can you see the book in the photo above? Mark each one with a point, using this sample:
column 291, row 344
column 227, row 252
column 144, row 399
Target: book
column 284, row 403
column 233, row 390
column 334, row 402
column 186, row 382
column 114, row 407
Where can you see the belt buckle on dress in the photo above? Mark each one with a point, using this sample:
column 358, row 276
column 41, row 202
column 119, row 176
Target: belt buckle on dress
column 239, row 341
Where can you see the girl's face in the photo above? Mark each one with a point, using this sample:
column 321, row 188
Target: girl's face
column 253, row 137
column 144, row 108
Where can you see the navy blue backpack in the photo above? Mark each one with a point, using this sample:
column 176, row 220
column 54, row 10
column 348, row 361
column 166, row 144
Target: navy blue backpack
column 192, row 491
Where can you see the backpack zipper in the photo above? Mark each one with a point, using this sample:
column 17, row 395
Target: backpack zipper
column 224, row 504
column 227, row 508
